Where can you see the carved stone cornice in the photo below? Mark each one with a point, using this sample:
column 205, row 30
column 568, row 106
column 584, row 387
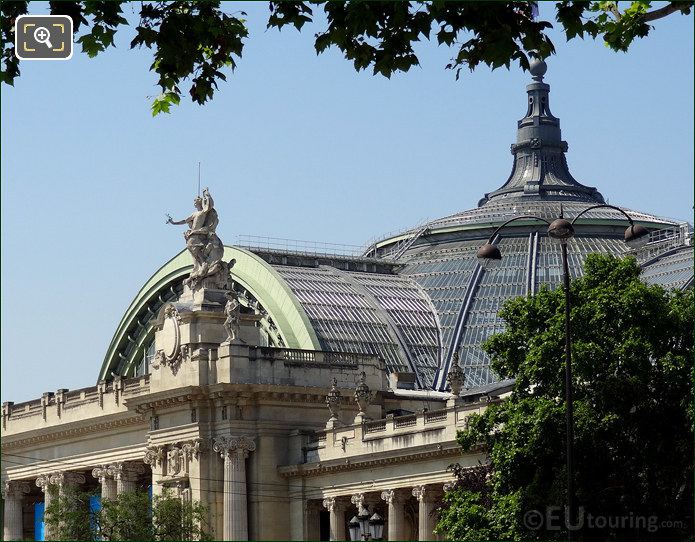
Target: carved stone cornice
column 363, row 462
column 61, row 432
column 166, row 399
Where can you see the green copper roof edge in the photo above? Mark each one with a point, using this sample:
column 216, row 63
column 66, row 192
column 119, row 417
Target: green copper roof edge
column 295, row 326
column 293, row 323
column 522, row 223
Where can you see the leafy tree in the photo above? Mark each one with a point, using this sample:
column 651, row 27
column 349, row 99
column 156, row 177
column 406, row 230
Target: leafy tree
column 68, row 516
column 632, row 362
column 130, row 516
column 195, row 40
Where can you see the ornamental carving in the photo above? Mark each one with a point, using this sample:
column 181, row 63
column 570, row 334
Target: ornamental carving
column 15, row 489
column 102, row 473
column 227, row 445
column 456, row 376
column 174, row 461
column 333, row 400
column 172, row 353
column 176, row 457
column 363, row 396
column 126, row 472
column 154, row 456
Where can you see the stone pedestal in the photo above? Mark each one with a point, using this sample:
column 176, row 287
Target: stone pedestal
column 234, row 451
column 13, row 493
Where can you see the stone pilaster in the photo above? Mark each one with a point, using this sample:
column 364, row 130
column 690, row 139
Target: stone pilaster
column 107, row 482
column 13, row 493
column 312, row 520
column 337, row 511
column 396, row 514
column 426, row 519
column 234, row 451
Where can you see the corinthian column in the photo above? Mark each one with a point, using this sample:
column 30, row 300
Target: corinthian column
column 396, row 514
column 13, row 492
column 337, row 511
column 426, row 520
column 126, row 476
column 234, row 451
column 48, row 489
column 108, row 484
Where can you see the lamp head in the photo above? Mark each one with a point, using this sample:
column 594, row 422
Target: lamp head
column 489, row 256
column 561, row 229
column 636, row 236
column 354, row 528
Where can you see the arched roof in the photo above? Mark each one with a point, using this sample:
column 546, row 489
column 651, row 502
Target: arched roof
column 250, row 271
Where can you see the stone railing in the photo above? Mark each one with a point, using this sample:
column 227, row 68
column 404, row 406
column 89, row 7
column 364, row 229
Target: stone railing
column 391, row 433
column 311, row 357
column 63, row 406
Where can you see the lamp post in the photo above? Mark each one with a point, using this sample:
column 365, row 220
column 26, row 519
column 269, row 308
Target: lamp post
column 363, row 527
column 560, row 229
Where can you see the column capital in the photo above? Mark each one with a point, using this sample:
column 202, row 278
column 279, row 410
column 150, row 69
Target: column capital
column 228, row 445
column 126, row 472
column 62, row 478
column 43, row 481
column 334, row 504
column 154, row 455
column 358, row 500
column 102, row 473
column 15, row 489
column 421, row 493
column 392, row 496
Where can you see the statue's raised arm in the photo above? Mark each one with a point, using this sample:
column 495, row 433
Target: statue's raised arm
column 203, row 244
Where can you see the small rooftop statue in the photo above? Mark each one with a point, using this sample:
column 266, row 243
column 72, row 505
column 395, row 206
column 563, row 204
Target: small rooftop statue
column 456, row 376
column 204, row 245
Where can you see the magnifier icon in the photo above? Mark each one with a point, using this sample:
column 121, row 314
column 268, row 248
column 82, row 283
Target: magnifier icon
column 42, row 35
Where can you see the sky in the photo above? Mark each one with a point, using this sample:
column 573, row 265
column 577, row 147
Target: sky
column 294, row 146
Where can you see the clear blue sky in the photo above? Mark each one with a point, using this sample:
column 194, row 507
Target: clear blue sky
column 297, row 146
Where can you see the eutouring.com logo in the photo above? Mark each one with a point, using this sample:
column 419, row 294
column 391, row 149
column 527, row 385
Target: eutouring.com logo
column 553, row 518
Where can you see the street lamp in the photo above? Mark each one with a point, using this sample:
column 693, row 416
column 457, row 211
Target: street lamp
column 561, row 230
column 363, row 527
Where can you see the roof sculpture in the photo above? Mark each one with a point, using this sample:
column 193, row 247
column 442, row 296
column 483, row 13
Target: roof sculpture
column 419, row 299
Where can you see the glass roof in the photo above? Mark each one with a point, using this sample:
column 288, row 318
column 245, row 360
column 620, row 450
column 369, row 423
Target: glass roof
column 384, row 315
column 674, row 270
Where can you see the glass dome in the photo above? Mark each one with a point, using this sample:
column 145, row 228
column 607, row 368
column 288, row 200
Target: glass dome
column 440, row 256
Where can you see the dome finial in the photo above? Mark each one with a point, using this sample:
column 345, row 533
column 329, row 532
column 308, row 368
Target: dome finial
column 538, row 68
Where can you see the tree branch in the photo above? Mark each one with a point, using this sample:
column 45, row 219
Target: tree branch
column 669, row 8
column 615, row 11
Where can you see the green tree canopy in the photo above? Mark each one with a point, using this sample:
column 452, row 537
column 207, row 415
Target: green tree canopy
column 632, row 363
column 193, row 41
column 130, row 516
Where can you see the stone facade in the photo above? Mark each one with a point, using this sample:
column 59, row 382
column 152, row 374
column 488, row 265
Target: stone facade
column 243, row 429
